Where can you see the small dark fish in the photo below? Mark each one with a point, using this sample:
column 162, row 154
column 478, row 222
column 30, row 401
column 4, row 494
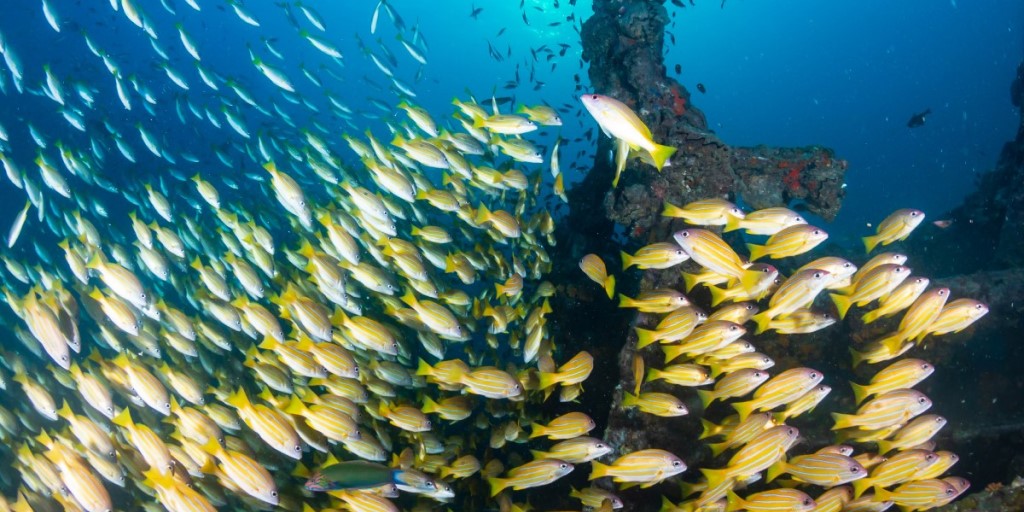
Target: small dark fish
column 701, row 88
column 500, row 32
column 679, row 69
column 525, row 20
column 475, row 11
column 918, row 119
column 678, row 3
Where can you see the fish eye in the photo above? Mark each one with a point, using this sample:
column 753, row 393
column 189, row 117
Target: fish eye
column 854, row 469
column 732, row 327
column 949, row 492
column 686, row 234
column 816, row 232
column 757, row 375
column 679, row 252
column 791, row 431
column 847, row 264
column 913, row 214
column 767, row 360
column 922, row 400
column 978, row 307
column 298, row 448
column 817, row 275
column 677, row 463
column 942, row 293
column 814, row 375
column 273, row 493
column 167, row 405
column 563, row 466
column 431, row 485
column 807, row 502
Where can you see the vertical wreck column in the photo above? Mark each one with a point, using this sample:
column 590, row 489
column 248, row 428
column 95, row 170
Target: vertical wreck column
column 623, row 42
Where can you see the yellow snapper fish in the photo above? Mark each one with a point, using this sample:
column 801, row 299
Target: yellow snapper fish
column 619, row 122
column 660, row 255
column 897, row 226
column 711, row 252
column 705, row 212
column 644, row 467
column 791, row 241
column 767, row 221
column 532, row 474
column 593, row 266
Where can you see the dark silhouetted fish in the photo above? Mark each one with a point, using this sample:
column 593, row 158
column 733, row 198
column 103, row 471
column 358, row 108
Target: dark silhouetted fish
column 918, row 119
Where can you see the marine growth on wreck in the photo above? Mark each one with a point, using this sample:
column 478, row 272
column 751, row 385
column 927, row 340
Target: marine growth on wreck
column 253, row 274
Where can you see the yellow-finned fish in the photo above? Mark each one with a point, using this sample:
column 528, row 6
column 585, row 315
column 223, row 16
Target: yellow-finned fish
column 577, row 450
column 791, row 241
column 797, row 292
column 247, row 474
column 918, row 494
column 771, row 500
column 593, row 266
column 566, row 426
column 955, row 317
column 675, row 326
column 659, row 255
column 658, row 404
column 658, row 300
column 901, row 298
column 645, row 467
column 689, row 375
column 897, row 226
column 875, row 283
column 918, row 317
column 705, row 212
column 892, row 408
column 733, row 385
column 491, row 383
column 620, row 122
column 780, row 390
column 765, row 449
column 532, row 474
column 824, row 469
column 153, row 450
column 919, row 430
column 899, row 468
column 903, row 374
column 574, row 371
column 840, row 271
column 710, row 252
column 805, row 403
column 708, row 337
column 767, row 221
column 753, row 360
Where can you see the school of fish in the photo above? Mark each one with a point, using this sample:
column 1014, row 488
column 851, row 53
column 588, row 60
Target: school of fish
column 359, row 321
column 897, row 463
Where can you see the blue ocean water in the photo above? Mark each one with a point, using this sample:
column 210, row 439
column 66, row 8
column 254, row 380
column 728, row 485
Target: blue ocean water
column 849, row 75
